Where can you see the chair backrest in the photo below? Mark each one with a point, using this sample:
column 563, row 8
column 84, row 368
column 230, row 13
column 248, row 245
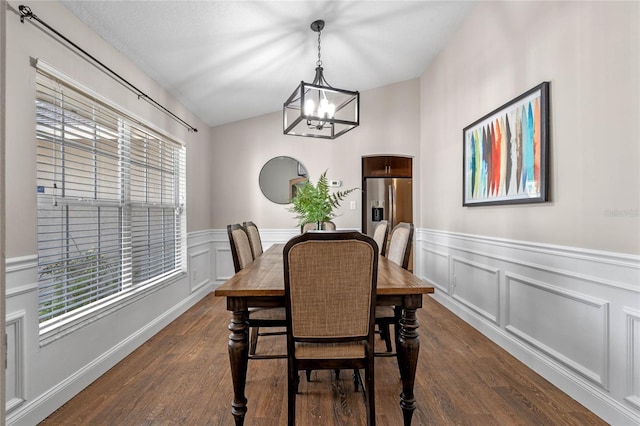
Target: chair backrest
column 380, row 236
column 240, row 246
column 400, row 244
column 330, row 286
column 329, row 226
column 307, row 227
column 254, row 238
column 311, row 226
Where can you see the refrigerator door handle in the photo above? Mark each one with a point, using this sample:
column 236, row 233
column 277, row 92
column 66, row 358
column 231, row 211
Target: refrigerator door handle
column 392, row 200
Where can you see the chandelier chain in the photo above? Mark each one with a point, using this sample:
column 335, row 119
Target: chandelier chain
column 319, row 62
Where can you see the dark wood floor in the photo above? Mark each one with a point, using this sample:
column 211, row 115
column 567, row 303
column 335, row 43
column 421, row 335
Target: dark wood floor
column 181, row 377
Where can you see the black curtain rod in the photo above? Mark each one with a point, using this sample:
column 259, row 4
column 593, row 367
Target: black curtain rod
column 25, row 12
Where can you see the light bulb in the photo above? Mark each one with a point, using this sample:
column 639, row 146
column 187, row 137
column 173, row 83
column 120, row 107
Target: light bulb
column 309, row 106
column 323, row 108
column 331, row 110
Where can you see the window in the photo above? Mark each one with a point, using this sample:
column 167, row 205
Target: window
column 111, row 196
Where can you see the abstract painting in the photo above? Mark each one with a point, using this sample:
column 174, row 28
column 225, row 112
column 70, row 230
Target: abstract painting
column 505, row 152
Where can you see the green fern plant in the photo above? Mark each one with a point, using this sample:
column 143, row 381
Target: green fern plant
column 315, row 203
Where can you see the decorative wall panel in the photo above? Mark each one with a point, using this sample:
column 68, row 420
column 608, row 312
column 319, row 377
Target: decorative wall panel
column 14, row 372
column 476, row 286
column 224, row 264
column 633, row 362
column 199, row 268
column 436, row 267
column 568, row 326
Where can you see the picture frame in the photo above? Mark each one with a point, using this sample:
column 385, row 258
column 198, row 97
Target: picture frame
column 505, row 153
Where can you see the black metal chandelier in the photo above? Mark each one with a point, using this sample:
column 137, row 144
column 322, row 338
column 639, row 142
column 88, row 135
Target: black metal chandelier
column 318, row 110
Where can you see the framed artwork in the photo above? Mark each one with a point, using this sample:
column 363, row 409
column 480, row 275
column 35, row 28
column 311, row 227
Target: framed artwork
column 505, row 152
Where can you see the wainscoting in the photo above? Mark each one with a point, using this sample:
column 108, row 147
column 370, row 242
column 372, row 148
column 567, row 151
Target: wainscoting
column 572, row 315
column 42, row 376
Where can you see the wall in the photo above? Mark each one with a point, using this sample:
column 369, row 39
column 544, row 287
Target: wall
column 556, row 284
column 41, row 378
column 589, row 51
column 3, row 16
column 388, row 125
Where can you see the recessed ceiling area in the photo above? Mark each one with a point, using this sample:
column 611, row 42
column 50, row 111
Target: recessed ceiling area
column 231, row 60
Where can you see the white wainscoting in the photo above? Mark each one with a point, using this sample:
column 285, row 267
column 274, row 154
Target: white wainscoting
column 40, row 378
column 572, row 315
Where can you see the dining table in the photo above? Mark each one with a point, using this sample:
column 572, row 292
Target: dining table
column 261, row 284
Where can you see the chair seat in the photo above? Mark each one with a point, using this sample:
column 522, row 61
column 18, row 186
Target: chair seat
column 268, row 314
column 347, row 350
column 384, row 312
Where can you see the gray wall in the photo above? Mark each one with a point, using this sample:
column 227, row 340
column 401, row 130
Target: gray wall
column 389, row 124
column 589, row 51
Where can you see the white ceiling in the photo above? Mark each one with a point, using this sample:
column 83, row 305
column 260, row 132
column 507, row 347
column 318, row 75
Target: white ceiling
column 231, row 60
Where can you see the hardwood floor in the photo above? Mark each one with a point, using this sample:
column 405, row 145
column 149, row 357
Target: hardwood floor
column 181, row 376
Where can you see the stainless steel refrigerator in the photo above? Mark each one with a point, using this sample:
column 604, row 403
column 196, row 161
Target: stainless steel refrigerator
column 388, row 199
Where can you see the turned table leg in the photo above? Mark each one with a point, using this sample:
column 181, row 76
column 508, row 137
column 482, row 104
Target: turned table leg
column 239, row 358
column 408, row 349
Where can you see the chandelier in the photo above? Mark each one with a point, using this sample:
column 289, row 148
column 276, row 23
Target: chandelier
column 319, row 110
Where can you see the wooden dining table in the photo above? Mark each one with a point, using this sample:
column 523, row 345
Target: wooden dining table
column 261, row 284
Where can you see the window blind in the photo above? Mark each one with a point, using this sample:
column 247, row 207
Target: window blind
column 111, row 195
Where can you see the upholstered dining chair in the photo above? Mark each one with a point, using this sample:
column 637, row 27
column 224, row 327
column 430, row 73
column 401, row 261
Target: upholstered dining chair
column 380, row 235
column 240, row 246
column 400, row 243
column 258, row 317
column 337, row 332
column 399, row 252
column 307, row 227
column 327, row 226
column 254, row 238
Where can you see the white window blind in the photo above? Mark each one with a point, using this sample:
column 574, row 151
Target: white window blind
column 111, row 195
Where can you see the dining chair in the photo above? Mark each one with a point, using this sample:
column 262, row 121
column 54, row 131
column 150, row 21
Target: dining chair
column 258, row 317
column 261, row 316
column 329, row 226
column 336, row 332
column 240, row 246
column 400, row 243
column 380, row 235
column 307, row 227
column 311, row 226
column 399, row 252
column 254, row 238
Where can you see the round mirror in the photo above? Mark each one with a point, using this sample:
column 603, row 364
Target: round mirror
column 280, row 177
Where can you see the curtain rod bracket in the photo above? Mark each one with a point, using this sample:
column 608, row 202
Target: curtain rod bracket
column 25, row 12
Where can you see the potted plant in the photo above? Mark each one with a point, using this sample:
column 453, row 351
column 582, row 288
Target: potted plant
column 315, row 204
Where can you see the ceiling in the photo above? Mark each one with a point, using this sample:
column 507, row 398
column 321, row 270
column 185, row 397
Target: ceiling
column 231, row 60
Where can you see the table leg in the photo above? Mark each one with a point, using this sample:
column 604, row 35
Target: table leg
column 239, row 358
column 408, row 349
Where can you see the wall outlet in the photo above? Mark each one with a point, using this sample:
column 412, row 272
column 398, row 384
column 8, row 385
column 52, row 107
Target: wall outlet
column 352, row 205
column 335, row 183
